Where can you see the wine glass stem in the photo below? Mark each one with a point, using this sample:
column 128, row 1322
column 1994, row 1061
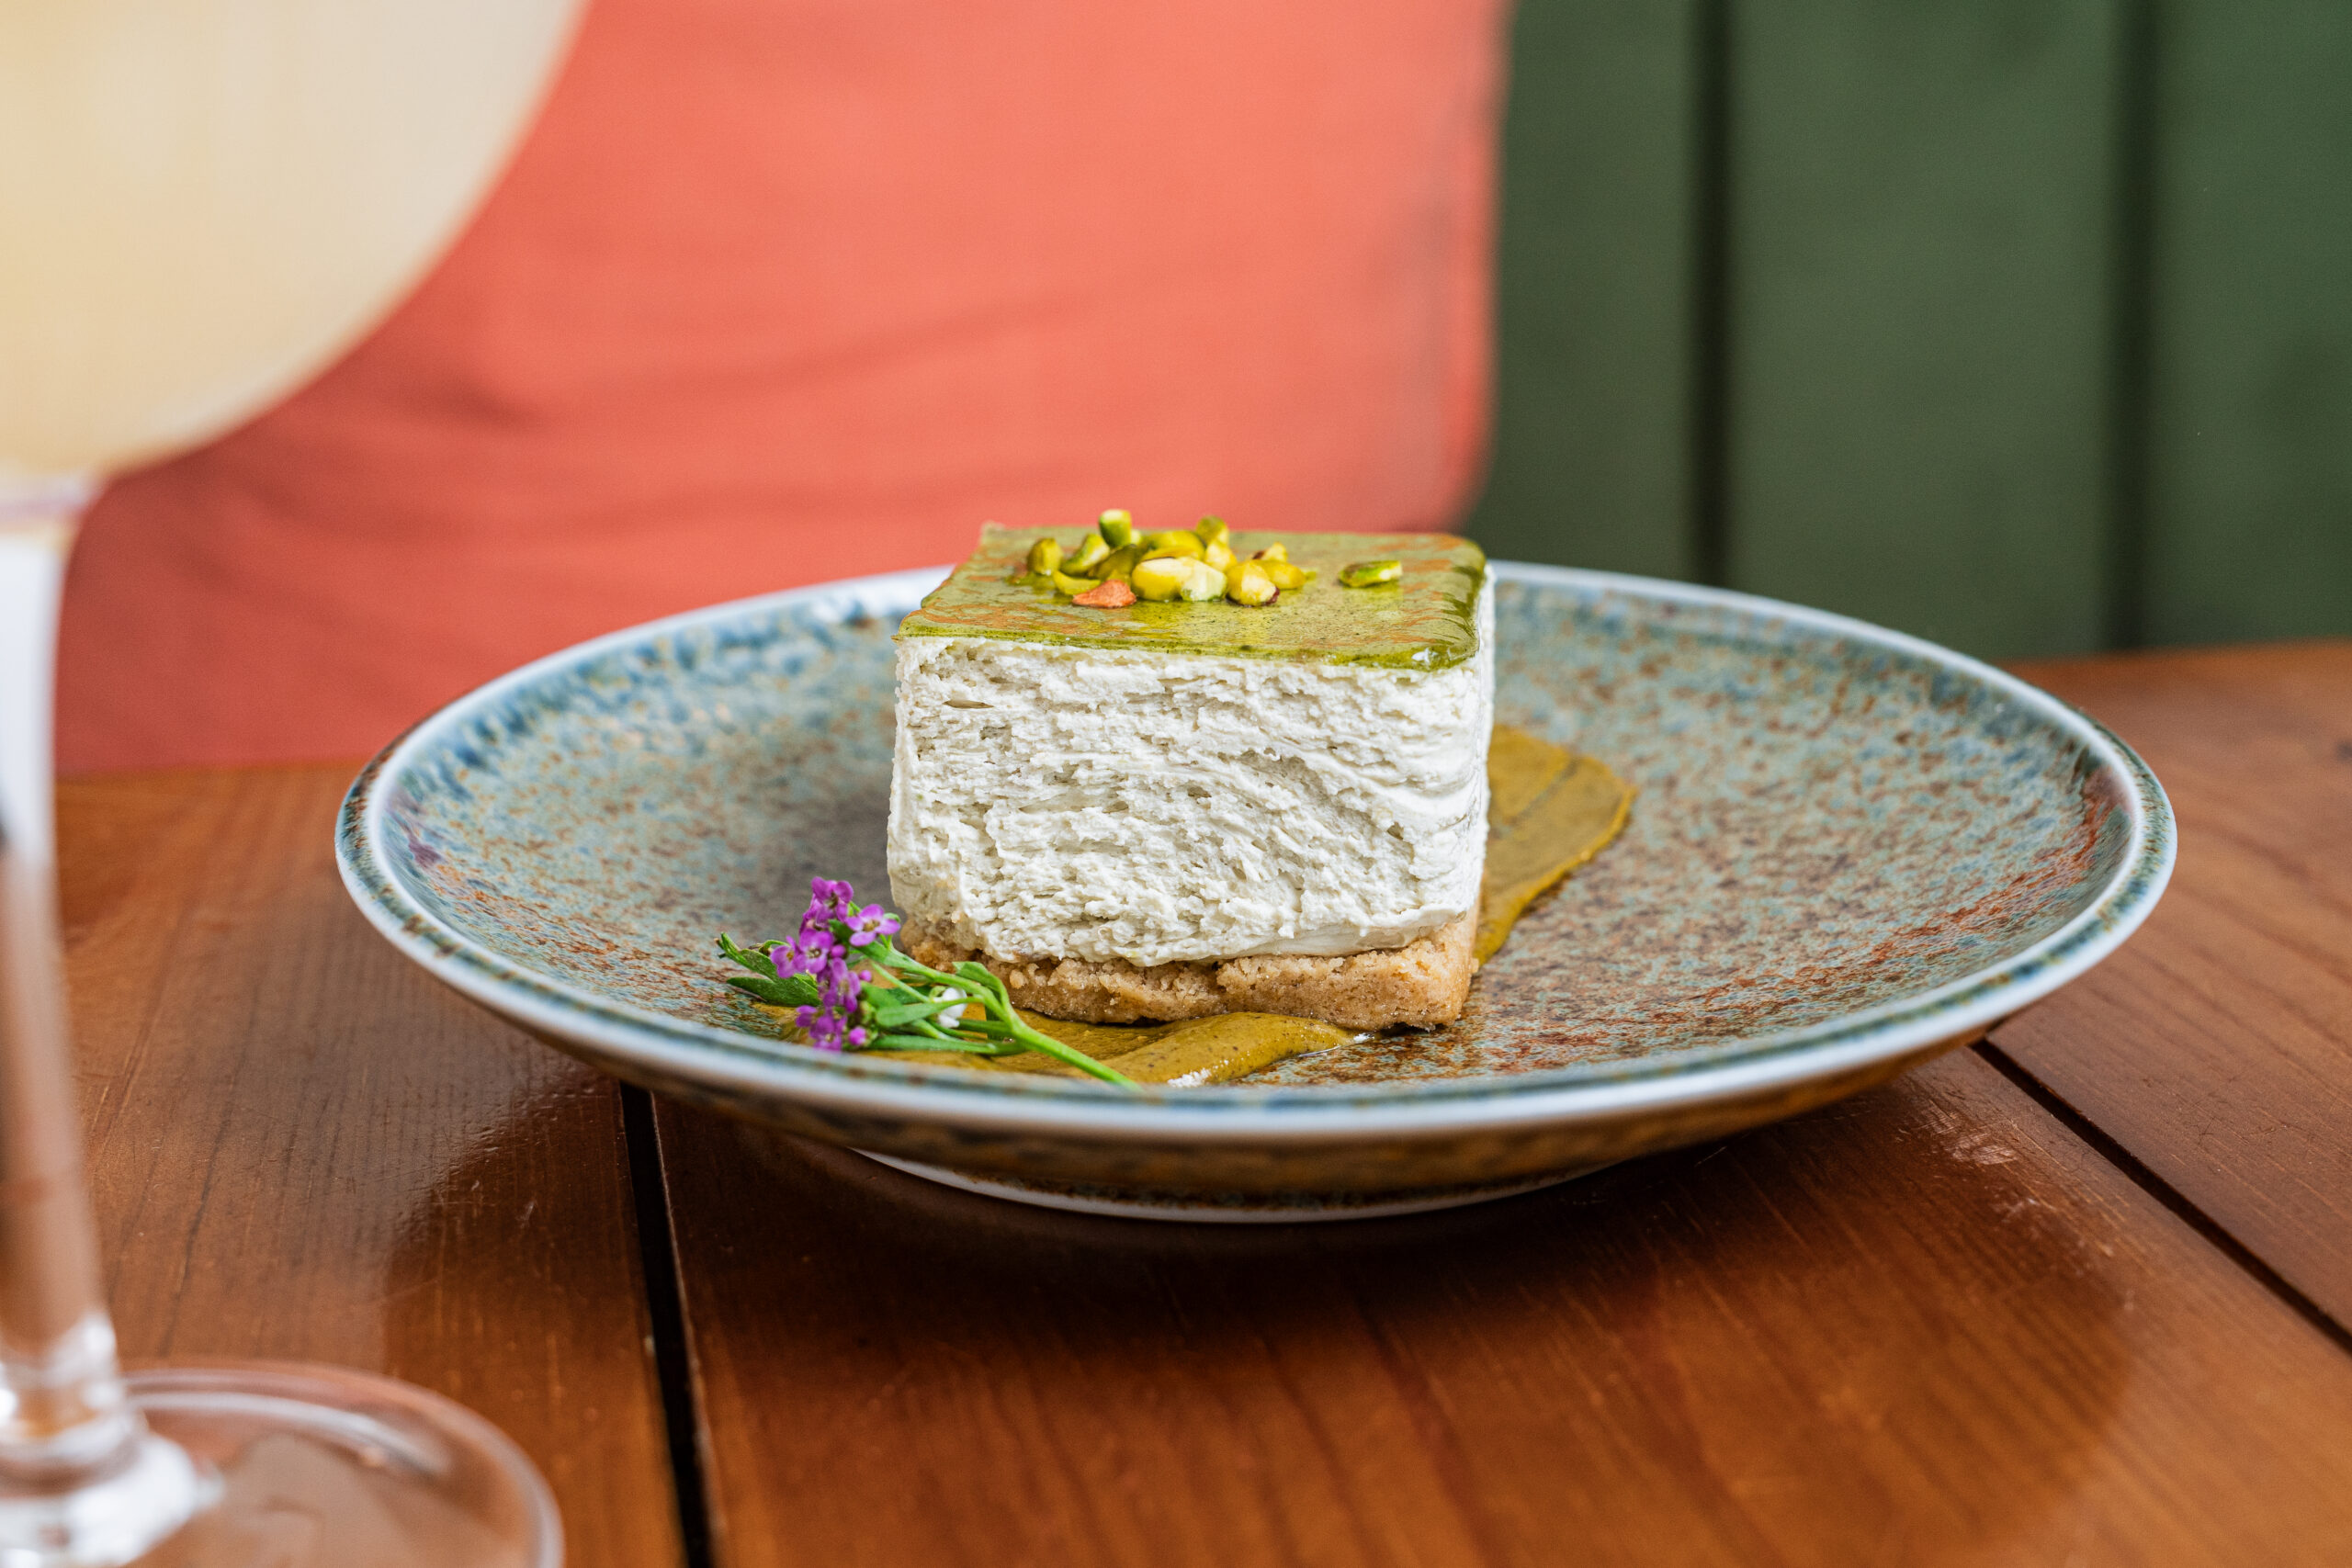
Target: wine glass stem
column 62, row 1408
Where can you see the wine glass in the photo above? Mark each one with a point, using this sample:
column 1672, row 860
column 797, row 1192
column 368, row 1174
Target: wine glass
column 202, row 202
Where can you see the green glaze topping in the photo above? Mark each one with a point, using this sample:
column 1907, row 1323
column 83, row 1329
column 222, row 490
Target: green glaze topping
column 1427, row 620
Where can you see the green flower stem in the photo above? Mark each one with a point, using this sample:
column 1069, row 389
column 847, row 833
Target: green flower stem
column 993, row 998
column 956, row 1041
column 1001, row 1004
column 1078, row 1059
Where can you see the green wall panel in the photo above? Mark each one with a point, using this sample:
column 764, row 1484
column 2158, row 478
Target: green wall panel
column 2249, row 528
column 2022, row 324
column 1591, row 444
column 1921, row 248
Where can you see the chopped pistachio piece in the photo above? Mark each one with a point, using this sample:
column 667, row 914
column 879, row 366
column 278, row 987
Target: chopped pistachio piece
column 1284, row 574
column 1073, row 586
column 1045, row 557
column 1116, row 527
column 1160, row 579
column 1251, row 585
column 1218, row 554
column 1210, row 529
column 1275, row 551
column 1091, row 552
column 1173, row 542
column 1371, row 573
column 1120, row 563
column 1203, row 583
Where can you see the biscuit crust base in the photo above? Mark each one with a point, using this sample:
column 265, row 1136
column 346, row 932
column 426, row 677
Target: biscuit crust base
column 1423, row 983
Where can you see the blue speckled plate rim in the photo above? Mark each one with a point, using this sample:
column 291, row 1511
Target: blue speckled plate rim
column 676, row 1048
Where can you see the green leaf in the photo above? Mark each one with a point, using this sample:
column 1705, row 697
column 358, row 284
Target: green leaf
column 890, row 1015
column 785, row 991
column 751, row 958
column 925, row 1043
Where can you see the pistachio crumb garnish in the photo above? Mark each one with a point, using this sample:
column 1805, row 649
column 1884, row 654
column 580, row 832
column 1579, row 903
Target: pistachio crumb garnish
column 1160, row 578
column 1251, row 586
column 1203, row 583
column 1114, row 565
column 1175, row 542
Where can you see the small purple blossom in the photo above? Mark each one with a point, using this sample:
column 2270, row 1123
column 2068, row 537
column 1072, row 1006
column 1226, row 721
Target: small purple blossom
column 870, row 925
column 821, row 951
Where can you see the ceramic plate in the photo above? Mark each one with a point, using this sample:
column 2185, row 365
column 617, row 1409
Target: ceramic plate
column 1851, row 849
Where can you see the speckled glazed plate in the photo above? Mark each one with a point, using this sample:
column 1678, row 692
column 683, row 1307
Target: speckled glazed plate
column 1851, row 849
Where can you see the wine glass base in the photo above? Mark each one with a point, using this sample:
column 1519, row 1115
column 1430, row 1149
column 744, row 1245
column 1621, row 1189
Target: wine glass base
column 295, row 1466
column 158, row 1487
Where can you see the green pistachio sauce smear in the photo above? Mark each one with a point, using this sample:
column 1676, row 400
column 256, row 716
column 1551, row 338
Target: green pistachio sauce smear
column 1548, row 811
column 1428, row 620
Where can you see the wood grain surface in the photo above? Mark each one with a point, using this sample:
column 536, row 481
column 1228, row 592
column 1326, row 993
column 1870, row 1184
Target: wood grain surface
column 1937, row 1324
column 1927, row 1325
column 302, row 1148
column 2217, row 1046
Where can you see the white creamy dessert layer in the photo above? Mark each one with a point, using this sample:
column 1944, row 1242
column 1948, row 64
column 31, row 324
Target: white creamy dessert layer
column 1076, row 802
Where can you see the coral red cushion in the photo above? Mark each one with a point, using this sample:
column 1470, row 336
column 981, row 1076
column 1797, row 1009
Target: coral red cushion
column 781, row 290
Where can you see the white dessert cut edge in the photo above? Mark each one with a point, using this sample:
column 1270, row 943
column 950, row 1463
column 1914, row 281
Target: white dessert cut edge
column 1052, row 801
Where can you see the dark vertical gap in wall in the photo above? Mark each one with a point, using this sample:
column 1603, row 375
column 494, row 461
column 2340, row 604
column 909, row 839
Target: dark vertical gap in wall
column 1711, row 292
column 2131, row 325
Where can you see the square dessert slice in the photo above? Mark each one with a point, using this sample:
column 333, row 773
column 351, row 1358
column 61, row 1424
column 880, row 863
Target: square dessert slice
column 1171, row 810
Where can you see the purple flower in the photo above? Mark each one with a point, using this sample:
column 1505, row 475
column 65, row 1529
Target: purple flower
column 870, row 925
column 821, row 951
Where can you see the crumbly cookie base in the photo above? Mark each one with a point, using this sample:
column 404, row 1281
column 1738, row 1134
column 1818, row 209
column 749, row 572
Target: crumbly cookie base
column 1423, row 983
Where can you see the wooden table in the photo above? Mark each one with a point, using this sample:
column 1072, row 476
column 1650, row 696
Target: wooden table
column 2079, row 1296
